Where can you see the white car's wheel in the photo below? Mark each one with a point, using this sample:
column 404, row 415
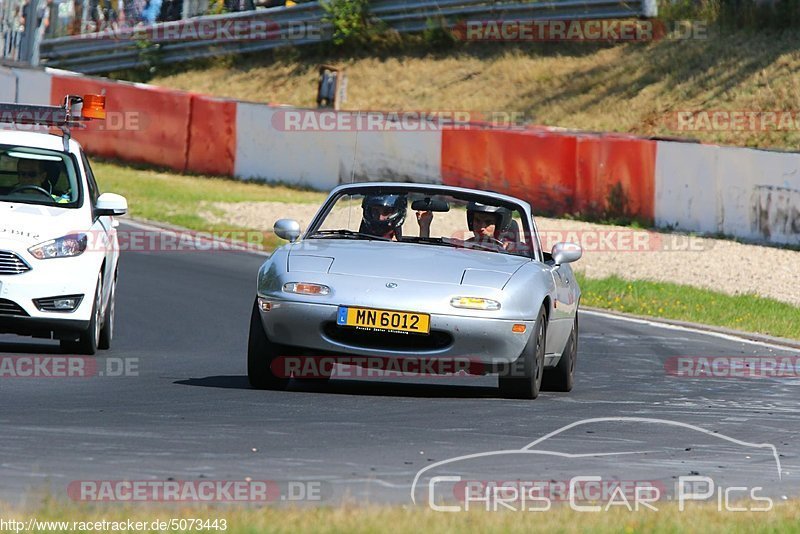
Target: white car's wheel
column 90, row 338
column 523, row 379
column 107, row 331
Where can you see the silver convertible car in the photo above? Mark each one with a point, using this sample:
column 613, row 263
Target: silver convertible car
column 403, row 271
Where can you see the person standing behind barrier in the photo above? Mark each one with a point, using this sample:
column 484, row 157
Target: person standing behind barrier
column 151, row 11
column 43, row 8
column 12, row 33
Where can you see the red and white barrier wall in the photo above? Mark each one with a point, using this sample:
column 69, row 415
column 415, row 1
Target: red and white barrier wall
column 747, row 193
column 268, row 148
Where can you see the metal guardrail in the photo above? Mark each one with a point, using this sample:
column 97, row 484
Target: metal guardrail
column 105, row 51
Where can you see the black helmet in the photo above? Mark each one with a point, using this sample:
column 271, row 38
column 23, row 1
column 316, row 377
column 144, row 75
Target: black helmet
column 502, row 215
column 374, row 225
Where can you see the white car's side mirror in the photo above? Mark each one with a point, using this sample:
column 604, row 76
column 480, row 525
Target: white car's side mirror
column 110, row 204
column 566, row 253
column 287, row 229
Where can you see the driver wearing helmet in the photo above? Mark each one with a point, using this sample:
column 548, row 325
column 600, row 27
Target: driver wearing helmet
column 384, row 215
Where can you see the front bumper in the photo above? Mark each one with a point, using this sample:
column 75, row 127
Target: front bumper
column 309, row 326
column 48, row 278
column 43, row 327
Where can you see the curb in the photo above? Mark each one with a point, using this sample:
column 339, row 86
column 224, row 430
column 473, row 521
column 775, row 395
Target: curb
column 745, row 336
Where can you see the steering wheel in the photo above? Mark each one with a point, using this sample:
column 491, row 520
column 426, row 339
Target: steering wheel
column 35, row 188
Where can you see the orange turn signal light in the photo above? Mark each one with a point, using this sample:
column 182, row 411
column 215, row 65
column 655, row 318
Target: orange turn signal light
column 94, row 107
column 304, row 288
column 518, row 328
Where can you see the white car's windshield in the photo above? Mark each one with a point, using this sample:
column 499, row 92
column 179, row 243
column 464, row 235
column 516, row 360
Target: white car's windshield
column 37, row 176
column 400, row 215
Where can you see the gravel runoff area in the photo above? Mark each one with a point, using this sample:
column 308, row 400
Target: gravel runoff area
column 632, row 254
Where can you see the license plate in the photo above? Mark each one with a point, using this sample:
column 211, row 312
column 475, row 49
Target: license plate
column 417, row 323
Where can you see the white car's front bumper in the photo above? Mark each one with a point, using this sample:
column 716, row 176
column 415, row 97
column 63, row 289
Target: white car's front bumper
column 46, row 279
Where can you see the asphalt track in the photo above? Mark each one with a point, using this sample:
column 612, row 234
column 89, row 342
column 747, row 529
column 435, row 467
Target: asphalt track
column 182, row 317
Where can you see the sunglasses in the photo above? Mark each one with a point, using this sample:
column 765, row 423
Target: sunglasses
column 29, row 174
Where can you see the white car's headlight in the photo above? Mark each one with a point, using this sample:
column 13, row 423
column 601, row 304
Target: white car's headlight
column 63, row 247
column 474, row 303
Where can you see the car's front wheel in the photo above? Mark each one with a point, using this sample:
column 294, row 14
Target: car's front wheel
column 90, row 338
column 261, row 353
column 107, row 332
column 562, row 376
column 523, row 378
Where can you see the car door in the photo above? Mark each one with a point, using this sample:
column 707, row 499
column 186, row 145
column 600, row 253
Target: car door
column 563, row 303
column 103, row 230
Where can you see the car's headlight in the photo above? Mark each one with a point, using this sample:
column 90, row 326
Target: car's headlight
column 304, row 288
column 474, row 303
column 63, row 247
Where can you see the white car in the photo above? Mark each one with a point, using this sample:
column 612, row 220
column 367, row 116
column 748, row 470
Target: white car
column 58, row 240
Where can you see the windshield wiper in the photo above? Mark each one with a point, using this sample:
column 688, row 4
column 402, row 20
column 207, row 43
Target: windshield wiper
column 348, row 233
column 430, row 241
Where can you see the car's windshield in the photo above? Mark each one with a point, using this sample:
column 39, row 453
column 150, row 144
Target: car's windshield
column 403, row 215
column 37, row 176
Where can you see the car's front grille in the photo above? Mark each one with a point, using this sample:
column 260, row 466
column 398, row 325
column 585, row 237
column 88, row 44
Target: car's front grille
column 10, row 263
column 9, row 308
column 387, row 340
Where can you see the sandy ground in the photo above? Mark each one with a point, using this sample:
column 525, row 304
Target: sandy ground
column 717, row 264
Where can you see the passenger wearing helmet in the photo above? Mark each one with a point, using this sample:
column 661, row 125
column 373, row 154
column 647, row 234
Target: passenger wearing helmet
column 489, row 224
column 384, row 215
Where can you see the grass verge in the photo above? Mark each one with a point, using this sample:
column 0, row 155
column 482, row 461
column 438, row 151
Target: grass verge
column 783, row 517
column 187, row 200
column 674, row 301
column 632, row 87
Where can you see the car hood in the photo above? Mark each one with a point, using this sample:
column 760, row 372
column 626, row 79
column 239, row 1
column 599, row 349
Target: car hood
column 30, row 224
column 404, row 261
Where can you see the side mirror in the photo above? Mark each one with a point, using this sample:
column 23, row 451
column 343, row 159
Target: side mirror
column 109, row 204
column 287, row 229
column 566, row 253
